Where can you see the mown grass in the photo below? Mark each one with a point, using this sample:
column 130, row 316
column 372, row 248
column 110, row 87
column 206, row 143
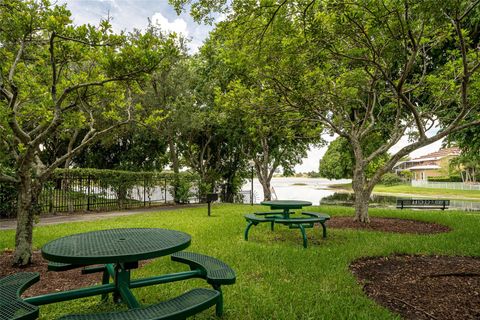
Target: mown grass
column 407, row 189
column 276, row 277
column 436, row 193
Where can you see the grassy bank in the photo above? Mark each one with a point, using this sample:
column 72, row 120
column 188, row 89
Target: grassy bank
column 276, row 277
column 407, row 189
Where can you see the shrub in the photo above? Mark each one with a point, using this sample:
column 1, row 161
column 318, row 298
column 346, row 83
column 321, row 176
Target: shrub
column 8, row 200
column 391, row 179
column 445, row 179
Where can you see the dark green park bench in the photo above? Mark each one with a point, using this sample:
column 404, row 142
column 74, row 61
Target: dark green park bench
column 293, row 223
column 214, row 271
column 423, row 204
column 12, row 307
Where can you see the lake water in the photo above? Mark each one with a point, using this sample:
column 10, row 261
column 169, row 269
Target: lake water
column 316, row 191
column 308, row 189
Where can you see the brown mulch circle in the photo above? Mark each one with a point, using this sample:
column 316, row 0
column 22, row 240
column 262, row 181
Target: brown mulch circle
column 389, row 225
column 50, row 281
column 423, row 287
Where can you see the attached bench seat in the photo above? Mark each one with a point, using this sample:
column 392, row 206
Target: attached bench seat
column 216, row 272
column 268, row 213
column 181, row 307
column 12, row 307
column 318, row 215
column 58, row 266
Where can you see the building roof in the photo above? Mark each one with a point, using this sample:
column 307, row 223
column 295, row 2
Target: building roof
column 437, row 155
column 442, row 153
column 427, row 167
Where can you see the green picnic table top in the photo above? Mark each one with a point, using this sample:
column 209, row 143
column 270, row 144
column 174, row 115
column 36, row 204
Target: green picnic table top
column 115, row 246
column 286, row 204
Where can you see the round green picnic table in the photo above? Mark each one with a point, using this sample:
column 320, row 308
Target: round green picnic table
column 115, row 246
column 119, row 251
column 286, row 205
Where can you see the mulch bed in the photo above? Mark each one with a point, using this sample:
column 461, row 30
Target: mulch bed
column 389, row 225
column 49, row 281
column 423, row 287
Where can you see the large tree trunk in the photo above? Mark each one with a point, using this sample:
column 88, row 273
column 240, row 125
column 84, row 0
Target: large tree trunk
column 27, row 207
column 361, row 206
column 360, row 186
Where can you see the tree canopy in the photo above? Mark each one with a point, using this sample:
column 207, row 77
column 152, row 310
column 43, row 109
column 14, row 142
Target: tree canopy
column 74, row 83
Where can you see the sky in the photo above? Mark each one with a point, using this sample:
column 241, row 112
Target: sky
column 134, row 14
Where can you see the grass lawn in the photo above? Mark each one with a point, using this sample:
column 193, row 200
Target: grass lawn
column 276, row 277
column 407, row 189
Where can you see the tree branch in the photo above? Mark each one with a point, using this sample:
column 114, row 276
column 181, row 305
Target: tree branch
column 8, row 179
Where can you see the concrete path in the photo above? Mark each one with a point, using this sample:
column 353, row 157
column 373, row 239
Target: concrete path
column 8, row 224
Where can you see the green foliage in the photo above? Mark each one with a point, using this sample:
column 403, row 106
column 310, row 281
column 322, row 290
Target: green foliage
column 182, row 189
column 445, row 179
column 406, row 174
column 314, row 174
column 391, row 179
column 338, row 162
column 8, row 200
column 65, row 85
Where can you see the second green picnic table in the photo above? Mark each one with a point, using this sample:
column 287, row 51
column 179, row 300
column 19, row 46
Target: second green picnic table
column 284, row 217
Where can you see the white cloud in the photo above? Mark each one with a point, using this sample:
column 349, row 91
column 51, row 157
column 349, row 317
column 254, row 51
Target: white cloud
column 178, row 25
column 134, row 14
column 311, row 162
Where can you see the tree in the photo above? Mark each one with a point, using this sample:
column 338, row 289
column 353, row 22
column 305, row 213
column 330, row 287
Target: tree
column 338, row 161
column 272, row 138
column 468, row 163
column 272, row 133
column 384, row 67
column 56, row 77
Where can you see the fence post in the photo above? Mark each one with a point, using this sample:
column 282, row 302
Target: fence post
column 144, row 198
column 165, row 190
column 88, row 193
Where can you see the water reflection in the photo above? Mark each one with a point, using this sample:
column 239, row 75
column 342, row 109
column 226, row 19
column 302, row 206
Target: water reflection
column 346, row 199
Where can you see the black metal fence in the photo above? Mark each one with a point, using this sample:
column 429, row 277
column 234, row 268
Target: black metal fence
column 103, row 191
column 90, row 193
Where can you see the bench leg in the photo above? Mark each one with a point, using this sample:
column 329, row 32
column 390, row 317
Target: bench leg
column 105, row 280
column 250, row 224
column 271, row 225
column 304, row 236
column 324, row 229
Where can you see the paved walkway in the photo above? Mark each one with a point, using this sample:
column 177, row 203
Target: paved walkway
column 8, row 224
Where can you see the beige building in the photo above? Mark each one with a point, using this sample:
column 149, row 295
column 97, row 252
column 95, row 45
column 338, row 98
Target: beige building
column 434, row 164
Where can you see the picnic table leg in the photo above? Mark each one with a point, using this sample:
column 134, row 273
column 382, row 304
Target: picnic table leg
column 324, row 229
column 122, row 284
column 302, row 229
column 250, row 224
column 219, row 305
